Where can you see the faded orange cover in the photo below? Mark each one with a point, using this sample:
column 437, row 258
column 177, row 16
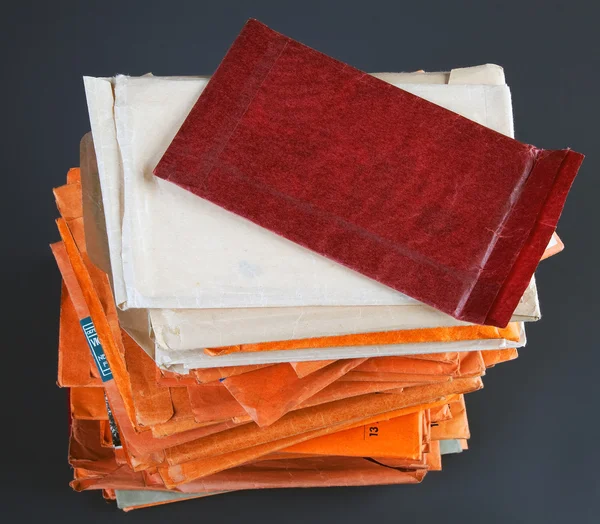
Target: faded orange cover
column 456, row 427
column 441, row 334
column 400, row 437
column 268, row 393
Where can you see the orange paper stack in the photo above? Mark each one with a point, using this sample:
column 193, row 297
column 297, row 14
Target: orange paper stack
column 203, row 353
column 148, row 436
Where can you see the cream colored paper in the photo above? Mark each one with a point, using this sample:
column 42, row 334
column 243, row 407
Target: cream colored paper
column 183, row 361
column 194, row 329
column 178, row 251
column 135, row 321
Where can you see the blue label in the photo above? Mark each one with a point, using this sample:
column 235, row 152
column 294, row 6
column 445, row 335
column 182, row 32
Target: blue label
column 96, row 348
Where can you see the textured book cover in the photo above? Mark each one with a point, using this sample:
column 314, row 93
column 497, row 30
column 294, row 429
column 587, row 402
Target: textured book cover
column 399, row 189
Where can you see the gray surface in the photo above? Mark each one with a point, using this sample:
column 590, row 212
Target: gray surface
column 533, row 456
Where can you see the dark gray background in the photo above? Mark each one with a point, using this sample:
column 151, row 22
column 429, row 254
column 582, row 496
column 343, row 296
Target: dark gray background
column 534, row 449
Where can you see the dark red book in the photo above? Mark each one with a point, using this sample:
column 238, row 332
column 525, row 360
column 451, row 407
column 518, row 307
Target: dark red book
column 399, row 189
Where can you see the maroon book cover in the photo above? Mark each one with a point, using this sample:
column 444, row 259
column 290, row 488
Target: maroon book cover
column 399, row 189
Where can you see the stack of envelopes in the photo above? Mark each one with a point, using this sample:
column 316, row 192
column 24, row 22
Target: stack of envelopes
column 290, row 274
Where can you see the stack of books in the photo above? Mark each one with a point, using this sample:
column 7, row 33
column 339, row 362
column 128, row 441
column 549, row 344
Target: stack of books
column 291, row 273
